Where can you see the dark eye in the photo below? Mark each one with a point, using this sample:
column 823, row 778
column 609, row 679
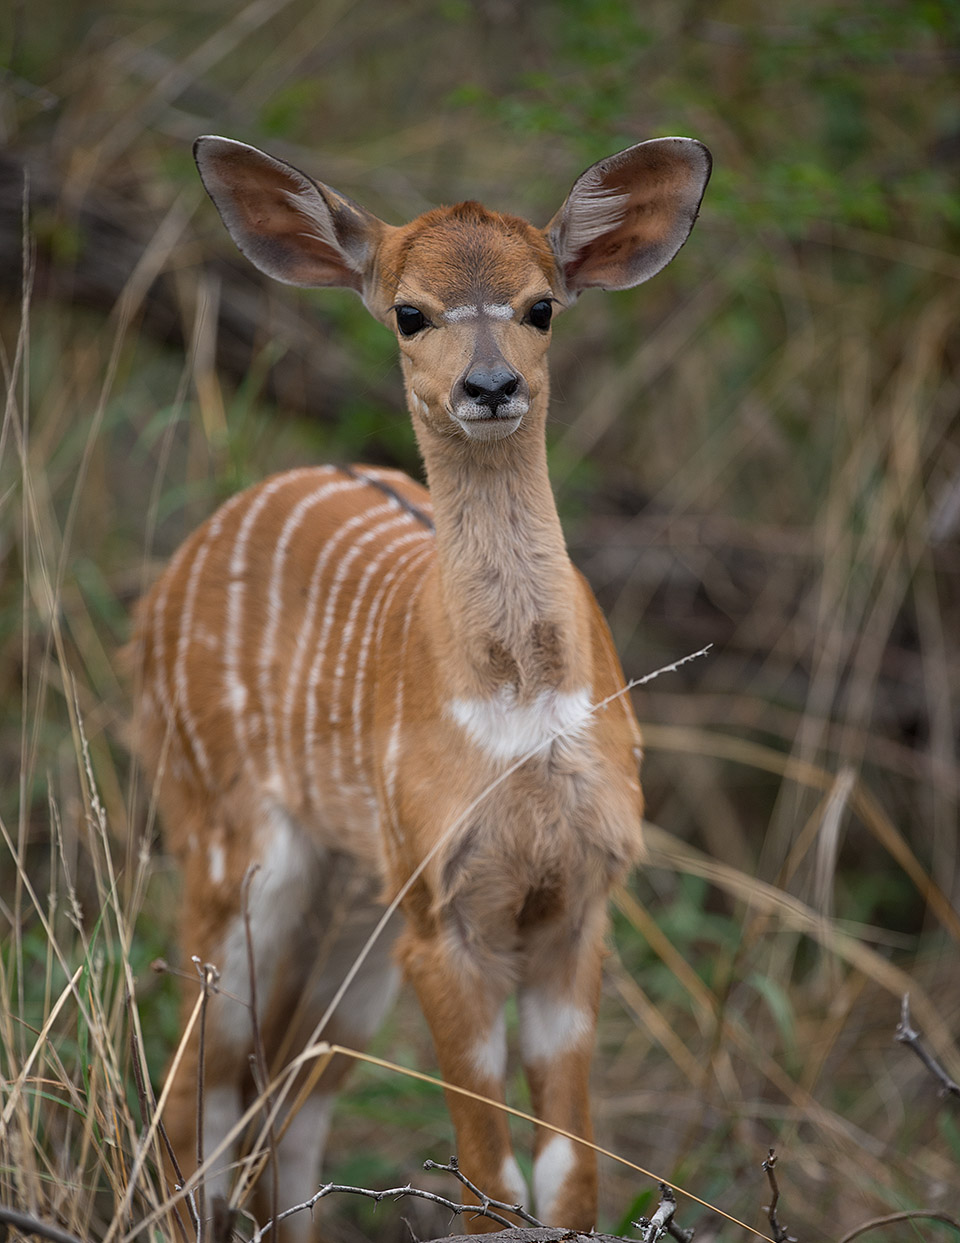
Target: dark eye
column 410, row 320
column 540, row 313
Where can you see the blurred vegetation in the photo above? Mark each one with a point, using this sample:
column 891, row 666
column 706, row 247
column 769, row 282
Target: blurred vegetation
column 759, row 450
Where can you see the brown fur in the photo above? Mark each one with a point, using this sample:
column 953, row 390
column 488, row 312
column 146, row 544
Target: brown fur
column 304, row 660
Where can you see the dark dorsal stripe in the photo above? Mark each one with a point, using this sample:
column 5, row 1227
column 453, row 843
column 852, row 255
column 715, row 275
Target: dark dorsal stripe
column 413, row 510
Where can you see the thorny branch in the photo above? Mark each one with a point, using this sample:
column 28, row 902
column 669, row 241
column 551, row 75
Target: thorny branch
column 454, row 1168
column 654, row 1228
column 905, row 1034
column 486, row 1208
column 780, row 1234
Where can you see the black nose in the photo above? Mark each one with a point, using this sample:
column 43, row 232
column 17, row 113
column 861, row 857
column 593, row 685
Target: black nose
column 491, row 386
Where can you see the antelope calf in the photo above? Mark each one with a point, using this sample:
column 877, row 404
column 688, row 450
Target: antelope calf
column 339, row 663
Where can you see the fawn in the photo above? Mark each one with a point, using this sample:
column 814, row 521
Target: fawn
column 337, row 665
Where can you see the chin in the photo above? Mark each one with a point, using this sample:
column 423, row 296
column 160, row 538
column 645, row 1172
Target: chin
column 489, row 429
column 497, row 427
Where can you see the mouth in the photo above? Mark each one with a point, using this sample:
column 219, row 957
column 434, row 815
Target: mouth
column 486, row 423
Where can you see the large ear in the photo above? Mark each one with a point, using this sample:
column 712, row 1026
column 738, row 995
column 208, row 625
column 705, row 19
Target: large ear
column 288, row 225
column 628, row 215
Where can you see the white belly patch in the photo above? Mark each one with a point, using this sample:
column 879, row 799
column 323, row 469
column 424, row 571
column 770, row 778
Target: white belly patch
column 506, row 730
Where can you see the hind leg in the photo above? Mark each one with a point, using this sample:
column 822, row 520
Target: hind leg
column 221, row 1103
column 349, row 917
column 309, row 913
column 209, row 1081
column 276, row 865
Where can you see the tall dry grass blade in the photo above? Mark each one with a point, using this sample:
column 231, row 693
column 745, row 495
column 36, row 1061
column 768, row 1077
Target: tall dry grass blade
column 768, row 759
column 703, row 1000
column 651, row 1018
column 668, row 851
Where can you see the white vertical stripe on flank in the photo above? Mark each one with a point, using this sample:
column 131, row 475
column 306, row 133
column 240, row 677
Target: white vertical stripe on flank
column 294, row 684
column 411, row 535
column 275, row 602
column 333, row 596
column 380, row 608
column 236, row 692
column 161, row 685
column 392, row 754
column 401, row 521
column 385, row 473
column 180, row 681
column 185, row 637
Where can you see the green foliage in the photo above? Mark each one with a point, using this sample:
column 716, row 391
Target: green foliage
column 759, row 450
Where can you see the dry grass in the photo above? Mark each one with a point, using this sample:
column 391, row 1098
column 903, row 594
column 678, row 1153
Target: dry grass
column 759, row 452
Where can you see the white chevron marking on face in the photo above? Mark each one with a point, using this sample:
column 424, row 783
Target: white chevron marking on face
column 493, row 310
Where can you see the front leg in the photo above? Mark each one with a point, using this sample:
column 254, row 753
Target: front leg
column 558, row 1002
column 463, row 1005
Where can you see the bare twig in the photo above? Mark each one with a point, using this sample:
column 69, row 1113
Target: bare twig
column 892, row 1218
column 391, row 1193
column 453, row 1167
column 261, row 1071
column 486, row 1208
column 209, row 975
column 661, row 1224
column 31, row 1225
column 146, row 1111
column 905, row 1034
column 780, row 1234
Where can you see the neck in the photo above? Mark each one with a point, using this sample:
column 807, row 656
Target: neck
column 507, row 593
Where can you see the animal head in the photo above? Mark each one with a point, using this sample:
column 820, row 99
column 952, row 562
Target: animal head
column 470, row 293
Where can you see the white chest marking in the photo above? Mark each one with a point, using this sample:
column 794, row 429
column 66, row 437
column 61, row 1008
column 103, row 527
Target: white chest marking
column 506, row 730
